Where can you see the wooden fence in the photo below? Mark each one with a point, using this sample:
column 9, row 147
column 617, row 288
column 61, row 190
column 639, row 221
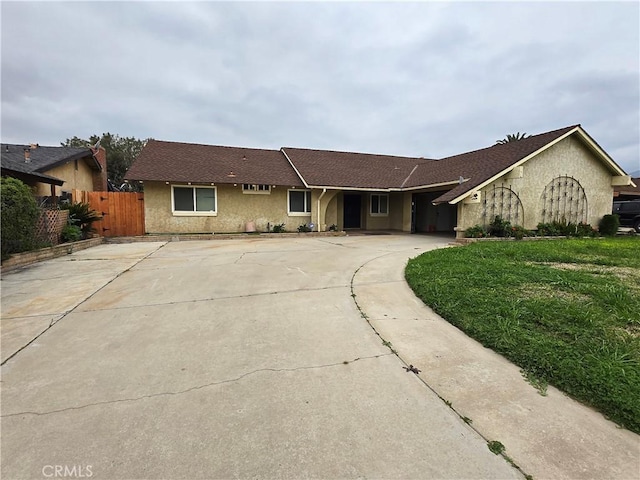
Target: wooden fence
column 122, row 212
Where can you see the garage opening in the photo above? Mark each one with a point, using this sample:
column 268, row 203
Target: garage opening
column 429, row 218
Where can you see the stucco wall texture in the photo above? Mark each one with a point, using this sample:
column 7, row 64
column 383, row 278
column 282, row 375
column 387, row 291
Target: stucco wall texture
column 234, row 210
column 80, row 178
column 566, row 158
column 569, row 157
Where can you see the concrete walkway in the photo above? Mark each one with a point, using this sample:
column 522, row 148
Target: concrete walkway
column 250, row 359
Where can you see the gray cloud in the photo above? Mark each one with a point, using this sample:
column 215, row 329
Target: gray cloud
column 431, row 79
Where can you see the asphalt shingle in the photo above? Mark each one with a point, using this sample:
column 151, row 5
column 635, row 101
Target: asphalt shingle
column 187, row 162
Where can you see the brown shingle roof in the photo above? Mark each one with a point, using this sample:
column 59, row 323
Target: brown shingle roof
column 325, row 168
column 187, row 162
column 480, row 165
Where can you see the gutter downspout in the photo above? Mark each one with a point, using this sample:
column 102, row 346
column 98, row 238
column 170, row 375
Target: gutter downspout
column 324, row 190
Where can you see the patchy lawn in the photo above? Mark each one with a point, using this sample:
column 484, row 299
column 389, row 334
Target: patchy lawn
column 566, row 311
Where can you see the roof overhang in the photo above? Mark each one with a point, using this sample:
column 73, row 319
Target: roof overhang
column 582, row 135
column 92, row 161
column 33, row 176
column 431, row 186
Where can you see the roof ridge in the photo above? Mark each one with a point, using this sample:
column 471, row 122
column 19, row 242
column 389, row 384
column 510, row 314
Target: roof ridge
column 359, row 153
column 566, row 129
column 215, row 146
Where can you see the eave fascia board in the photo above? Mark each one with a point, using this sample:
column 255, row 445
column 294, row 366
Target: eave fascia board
column 591, row 143
column 431, row 185
column 63, row 161
column 294, row 168
column 511, row 167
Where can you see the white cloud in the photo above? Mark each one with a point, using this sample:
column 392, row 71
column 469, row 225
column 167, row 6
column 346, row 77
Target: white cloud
column 432, row 79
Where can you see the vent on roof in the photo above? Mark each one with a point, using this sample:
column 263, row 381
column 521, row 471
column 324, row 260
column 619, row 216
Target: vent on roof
column 27, row 155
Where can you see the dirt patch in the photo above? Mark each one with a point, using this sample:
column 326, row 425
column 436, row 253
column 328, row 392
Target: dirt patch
column 540, row 290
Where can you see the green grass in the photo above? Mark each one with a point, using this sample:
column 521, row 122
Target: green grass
column 566, row 311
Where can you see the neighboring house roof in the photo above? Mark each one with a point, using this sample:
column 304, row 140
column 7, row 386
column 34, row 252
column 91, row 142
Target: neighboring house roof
column 629, row 190
column 324, row 168
column 184, row 162
column 187, row 162
column 42, row 159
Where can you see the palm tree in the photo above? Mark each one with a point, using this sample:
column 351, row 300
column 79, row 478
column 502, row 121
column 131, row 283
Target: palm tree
column 512, row 138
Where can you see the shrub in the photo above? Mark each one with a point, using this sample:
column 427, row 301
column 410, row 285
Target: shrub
column 519, row 232
column 304, row 228
column 19, row 217
column 583, row 230
column 477, row 231
column 71, row 233
column 553, row 229
column 83, row 216
column 500, row 227
column 333, row 227
column 279, row 228
column 608, row 225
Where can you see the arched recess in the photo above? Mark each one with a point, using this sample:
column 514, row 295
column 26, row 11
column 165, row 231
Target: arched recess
column 504, row 202
column 563, row 200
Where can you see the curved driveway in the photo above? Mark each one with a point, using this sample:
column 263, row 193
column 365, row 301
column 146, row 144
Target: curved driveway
column 220, row 359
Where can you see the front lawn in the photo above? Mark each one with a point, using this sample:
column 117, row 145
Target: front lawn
column 566, row 311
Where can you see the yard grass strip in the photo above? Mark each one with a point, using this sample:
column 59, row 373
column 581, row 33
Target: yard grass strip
column 566, row 311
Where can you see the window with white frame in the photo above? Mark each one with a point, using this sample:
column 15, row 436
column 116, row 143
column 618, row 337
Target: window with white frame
column 255, row 188
column 299, row 202
column 188, row 200
column 379, row 204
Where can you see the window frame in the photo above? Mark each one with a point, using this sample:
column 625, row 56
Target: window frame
column 194, row 213
column 256, row 188
column 378, row 213
column 307, row 196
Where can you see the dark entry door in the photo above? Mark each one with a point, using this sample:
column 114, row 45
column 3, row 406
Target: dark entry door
column 352, row 210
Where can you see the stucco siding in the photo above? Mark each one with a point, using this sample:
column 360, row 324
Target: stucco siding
column 79, row 179
column 568, row 157
column 234, row 210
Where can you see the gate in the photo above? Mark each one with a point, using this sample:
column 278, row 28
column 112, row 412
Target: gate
column 122, row 212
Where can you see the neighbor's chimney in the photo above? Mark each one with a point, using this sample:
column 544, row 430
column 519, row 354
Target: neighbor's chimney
column 27, row 155
column 100, row 178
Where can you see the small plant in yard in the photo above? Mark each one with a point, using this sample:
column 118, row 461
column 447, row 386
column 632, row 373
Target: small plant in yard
column 333, row 227
column 83, row 216
column 536, row 382
column 477, row 231
column 496, row 447
column 71, row 233
column 608, row 225
column 278, row 228
column 519, row 232
column 499, row 227
column 304, row 228
column 583, row 230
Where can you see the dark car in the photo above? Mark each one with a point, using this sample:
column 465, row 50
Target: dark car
column 629, row 213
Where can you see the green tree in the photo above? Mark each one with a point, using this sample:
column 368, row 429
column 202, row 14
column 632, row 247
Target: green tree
column 19, row 217
column 512, row 137
column 121, row 152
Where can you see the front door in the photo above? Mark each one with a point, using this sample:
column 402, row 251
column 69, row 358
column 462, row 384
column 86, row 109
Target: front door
column 352, row 210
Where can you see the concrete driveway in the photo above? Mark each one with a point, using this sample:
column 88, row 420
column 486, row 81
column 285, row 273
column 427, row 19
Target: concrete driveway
column 264, row 358
column 218, row 359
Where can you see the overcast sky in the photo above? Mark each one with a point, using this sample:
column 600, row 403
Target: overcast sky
column 428, row 79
